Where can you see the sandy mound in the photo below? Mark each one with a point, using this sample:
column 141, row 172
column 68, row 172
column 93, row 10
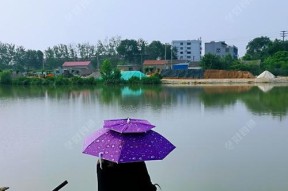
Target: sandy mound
column 266, row 75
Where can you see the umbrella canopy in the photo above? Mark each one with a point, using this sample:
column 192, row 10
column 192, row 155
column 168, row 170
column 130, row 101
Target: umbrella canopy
column 128, row 125
column 129, row 147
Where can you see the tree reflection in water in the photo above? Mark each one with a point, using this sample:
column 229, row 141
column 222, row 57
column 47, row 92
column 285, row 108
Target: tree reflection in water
column 262, row 100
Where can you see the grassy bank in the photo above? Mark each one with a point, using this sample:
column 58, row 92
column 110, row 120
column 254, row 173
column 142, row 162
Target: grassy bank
column 7, row 79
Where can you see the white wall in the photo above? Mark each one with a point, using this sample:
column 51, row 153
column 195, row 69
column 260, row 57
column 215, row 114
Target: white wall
column 188, row 49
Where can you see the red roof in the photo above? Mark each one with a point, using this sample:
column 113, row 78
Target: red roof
column 155, row 62
column 83, row 63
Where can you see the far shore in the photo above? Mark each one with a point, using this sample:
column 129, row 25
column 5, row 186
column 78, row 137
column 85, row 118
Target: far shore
column 232, row 81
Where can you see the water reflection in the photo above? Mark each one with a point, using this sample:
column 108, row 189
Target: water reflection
column 273, row 102
column 262, row 100
column 265, row 87
column 44, row 128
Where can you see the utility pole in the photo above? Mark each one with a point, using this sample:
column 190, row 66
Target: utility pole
column 283, row 34
column 171, row 55
column 165, row 51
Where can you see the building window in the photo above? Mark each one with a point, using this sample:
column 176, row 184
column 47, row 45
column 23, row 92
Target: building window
column 181, row 43
column 188, row 57
column 188, row 52
column 188, row 48
column 181, row 52
column 181, row 48
column 218, row 50
column 188, row 43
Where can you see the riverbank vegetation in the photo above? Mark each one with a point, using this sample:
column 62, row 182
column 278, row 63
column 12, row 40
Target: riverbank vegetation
column 63, row 81
column 109, row 75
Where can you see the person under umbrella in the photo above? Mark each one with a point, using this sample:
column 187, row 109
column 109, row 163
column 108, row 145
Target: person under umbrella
column 122, row 149
column 123, row 176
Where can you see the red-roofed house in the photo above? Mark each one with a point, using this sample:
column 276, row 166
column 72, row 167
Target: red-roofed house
column 154, row 65
column 82, row 68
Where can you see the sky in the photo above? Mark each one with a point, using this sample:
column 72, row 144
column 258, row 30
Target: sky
column 39, row 24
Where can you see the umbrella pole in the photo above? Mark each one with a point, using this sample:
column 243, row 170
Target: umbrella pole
column 60, row 186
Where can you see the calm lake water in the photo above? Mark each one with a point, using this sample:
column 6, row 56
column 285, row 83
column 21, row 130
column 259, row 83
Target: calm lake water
column 228, row 138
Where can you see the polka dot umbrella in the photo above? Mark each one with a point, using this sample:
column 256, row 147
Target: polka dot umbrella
column 127, row 147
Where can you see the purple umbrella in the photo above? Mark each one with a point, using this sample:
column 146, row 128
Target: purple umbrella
column 128, row 125
column 128, row 147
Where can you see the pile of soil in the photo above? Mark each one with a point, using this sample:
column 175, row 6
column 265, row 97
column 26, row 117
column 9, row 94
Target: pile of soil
column 221, row 74
column 266, row 75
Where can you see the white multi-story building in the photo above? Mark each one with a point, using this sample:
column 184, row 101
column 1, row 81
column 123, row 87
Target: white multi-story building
column 189, row 50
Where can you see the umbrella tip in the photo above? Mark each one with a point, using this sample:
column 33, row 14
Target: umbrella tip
column 100, row 160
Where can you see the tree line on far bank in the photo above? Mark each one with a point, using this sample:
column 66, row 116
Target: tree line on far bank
column 272, row 55
column 116, row 50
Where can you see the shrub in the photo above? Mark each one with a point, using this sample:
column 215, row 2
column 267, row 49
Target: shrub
column 89, row 81
column 22, row 81
column 36, row 81
column 49, row 80
column 151, row 80
column 134, row 80
column 59, row 81
column 6, row 77
column 77, row 81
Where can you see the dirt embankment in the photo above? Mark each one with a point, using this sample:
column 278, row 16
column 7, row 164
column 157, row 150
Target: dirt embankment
column 224, row 74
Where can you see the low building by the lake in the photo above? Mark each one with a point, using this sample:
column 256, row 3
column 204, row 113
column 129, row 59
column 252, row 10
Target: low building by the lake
column 158, row 65
column 81, row 68
column 129, row 67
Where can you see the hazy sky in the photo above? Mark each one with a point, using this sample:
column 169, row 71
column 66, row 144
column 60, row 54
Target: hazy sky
column 38, row 24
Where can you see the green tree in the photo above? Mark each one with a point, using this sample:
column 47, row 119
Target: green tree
column 7, row 52
column 50, row 59
column 277, row 63
column 210, row 61
column 19, row 58
column 258, row 48
column 227, row 61
column 278, row 45
column 129, row 51
column 106, row 70
column 250, row 66
column 33, row 59
column 116, row 75
column 110, row 74
column 5, row 77
column 107, row 49
column 156, row 50
column 142, row 46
